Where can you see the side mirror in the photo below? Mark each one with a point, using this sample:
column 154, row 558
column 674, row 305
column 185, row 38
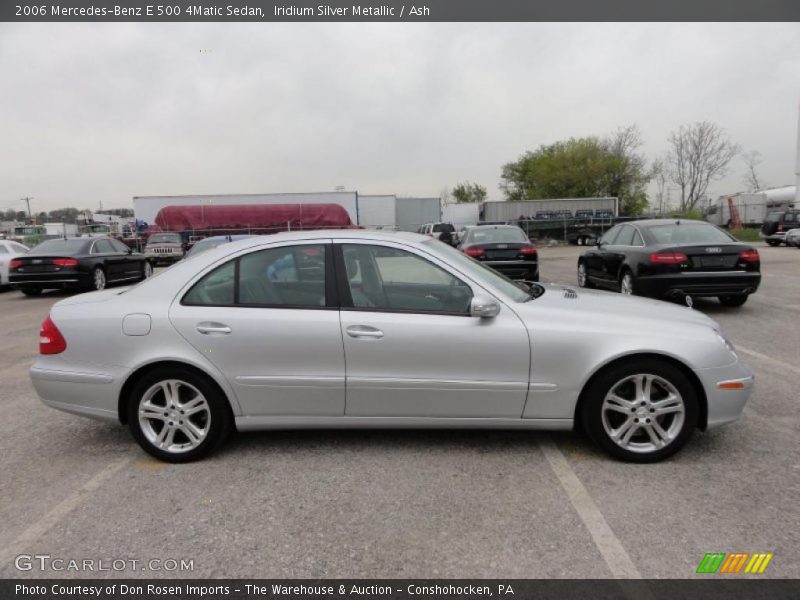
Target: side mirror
column 484, row 307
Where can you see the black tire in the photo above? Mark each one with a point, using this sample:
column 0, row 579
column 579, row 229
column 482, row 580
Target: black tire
column 31, row 292
column 773, row 243
column 94, row 284
column 592, row 409
column 587, row 283
column 733, row 301
column 626, row 272
column 219, row 423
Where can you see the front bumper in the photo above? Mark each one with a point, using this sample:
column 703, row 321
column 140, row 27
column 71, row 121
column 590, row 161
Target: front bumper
column 724, row 283
column 514, row 269
column 726, row 405
column 156, row 258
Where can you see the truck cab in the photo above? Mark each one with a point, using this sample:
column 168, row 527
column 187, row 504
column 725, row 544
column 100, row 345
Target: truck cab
column 775, row 226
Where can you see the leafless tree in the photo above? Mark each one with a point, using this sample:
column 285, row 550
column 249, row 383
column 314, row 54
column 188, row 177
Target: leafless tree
column 661, row 178
column 751, row 177
column 698, row 154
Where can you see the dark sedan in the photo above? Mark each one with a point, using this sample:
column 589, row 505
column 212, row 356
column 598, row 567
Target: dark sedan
column 672, row 259
column 505, row 248
column 77, row 263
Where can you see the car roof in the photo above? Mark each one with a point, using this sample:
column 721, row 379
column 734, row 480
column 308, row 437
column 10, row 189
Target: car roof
column 654, row 222
column 324, row 234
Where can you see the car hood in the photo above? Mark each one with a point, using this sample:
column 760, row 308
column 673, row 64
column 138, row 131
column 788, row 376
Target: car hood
column 617, row 310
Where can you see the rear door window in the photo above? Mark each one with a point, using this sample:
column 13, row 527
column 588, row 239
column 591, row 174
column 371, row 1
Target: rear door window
column 625, row 237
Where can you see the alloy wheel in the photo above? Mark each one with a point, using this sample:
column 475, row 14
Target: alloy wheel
column 643, row 413
column 147, row 270
column 626, row 285
column 99, row 279
column 581, row 275
column 174, row 416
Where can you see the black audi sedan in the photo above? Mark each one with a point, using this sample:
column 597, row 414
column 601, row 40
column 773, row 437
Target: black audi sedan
column 88, row 263
column 505, row 248
column 672, row 259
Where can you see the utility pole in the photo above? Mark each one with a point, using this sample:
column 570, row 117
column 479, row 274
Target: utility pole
column 27, row 200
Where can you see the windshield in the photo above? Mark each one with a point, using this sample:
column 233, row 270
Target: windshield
column 440, row 227
column 689, row 233
column 61, row 246
column 481, row 273
column 492, row 235
column 164, row 238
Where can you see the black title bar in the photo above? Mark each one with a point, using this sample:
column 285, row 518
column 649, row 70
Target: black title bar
column 396, row 11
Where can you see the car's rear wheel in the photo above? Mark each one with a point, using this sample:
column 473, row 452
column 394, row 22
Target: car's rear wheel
column 627, row 283
column 773, row 242
column 177, row 415
column 643, row 410
column 583, row 278
column 98, row 279
column 733, row 300
column 31, row 291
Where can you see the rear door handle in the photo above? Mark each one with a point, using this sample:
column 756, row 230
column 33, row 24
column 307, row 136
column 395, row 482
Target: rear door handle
column 213, row 328
column 364, row 331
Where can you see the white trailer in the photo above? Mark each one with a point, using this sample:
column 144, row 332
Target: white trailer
column 57, row 230
column 377, row 211
column 512, row 211
column 460, row 214
column 752, row 208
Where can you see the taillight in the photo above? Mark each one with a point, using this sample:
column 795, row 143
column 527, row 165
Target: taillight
column 50, row 339
column 65, row 262
column 15, row 264
column 475, row 252
column 527, row 250
column 750, row 256
column 668, row 258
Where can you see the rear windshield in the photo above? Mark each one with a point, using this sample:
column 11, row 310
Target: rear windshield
column 440, row 227
column 487, row 235
column 61, row 246
column 773, row 217
column 688, row 233
column 164, row 238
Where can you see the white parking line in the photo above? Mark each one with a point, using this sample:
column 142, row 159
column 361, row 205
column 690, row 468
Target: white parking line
column 617, row 559
column 774, row 361
column 62, row 509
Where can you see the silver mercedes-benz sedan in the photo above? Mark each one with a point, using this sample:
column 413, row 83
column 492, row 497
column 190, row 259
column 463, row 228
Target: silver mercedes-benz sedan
column 381, row 329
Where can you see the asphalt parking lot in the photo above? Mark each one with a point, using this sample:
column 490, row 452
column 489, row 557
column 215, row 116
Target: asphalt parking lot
column 412, row 503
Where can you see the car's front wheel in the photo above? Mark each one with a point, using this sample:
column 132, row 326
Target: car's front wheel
column 32, row 291
column 626, row 283
column 773, row 243
column 177, row 415
column 643, row 410
column 583, row 277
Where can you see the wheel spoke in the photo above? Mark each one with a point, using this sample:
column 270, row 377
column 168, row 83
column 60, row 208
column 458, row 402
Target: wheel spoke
column 193, row 433
column 151, row 411
column 170, row 389
column 657, row 441
column 614, row 399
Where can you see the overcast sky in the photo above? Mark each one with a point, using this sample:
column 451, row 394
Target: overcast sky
column 104, row 112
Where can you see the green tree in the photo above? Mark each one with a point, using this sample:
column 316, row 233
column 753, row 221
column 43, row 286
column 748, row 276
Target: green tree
column 583, row 168
column 469, row 192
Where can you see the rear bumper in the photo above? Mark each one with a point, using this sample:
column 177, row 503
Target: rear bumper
column 514, row 268
column 50, row 281
column 89, row 394
column 699, row 284
column 726, row 405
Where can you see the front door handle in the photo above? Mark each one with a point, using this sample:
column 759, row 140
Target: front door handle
column 364, row 331
column 213, row 328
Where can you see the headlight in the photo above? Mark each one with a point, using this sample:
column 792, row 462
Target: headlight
column 728, row 344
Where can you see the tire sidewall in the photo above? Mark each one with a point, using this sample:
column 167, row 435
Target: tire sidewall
column 221, row 420
column 591, row 411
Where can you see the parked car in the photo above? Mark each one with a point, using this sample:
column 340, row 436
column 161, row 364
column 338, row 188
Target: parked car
column 344, row 329
column 444, row 232
column 504, row 248
column 793, row 237
column 208, row 243
column 777, row 223
column 8, row 251
column 166, row 247
column 77, row 263
column 672, row 259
